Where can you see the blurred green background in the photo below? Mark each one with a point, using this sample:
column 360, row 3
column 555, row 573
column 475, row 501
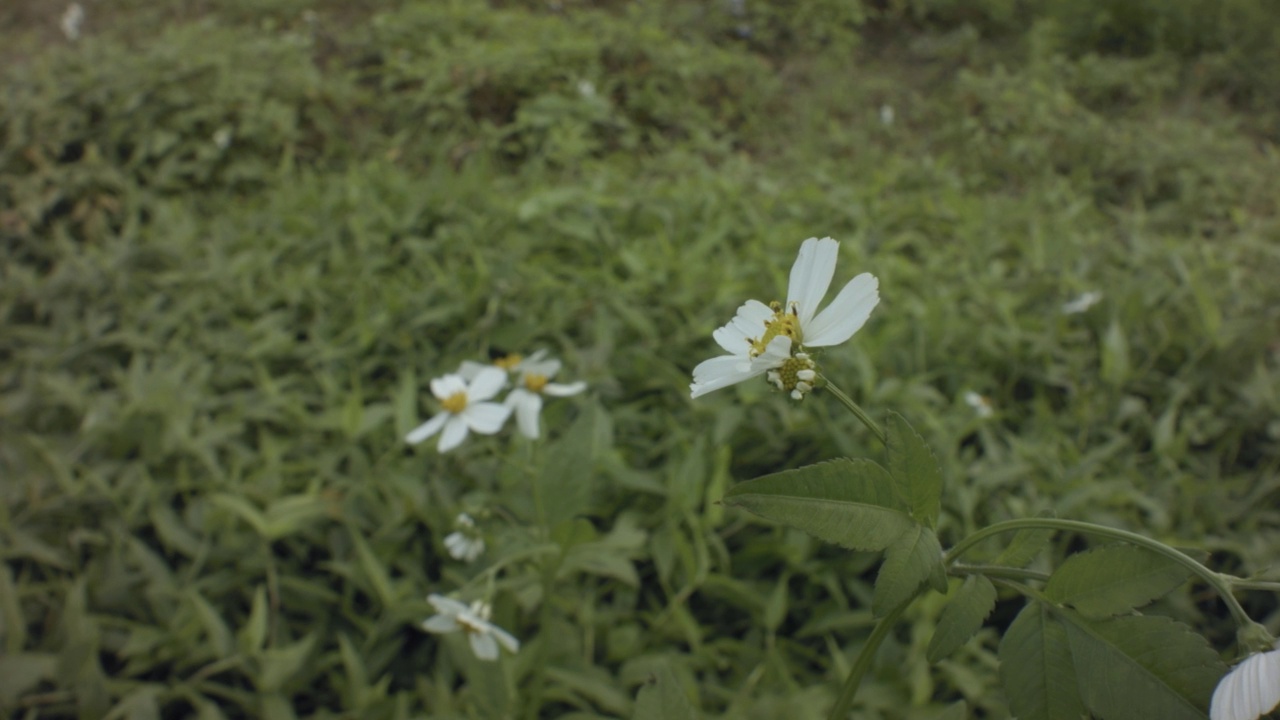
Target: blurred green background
column 239, row 237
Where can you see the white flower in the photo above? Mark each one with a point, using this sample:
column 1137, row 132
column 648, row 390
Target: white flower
column 464, row 409
column 532, row 375
column 763, row 338
column 526, row 398
column 1082, row 303
column 453, row 616
column 980, row 404
column 71, row 21
column 886, row 115
column 464, row 543
column 1250, row 690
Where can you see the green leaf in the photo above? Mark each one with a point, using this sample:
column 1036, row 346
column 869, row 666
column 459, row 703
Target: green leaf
column 242, row 509
column 374, row 571
column 962, row 616
column 569, row 474
column 13, row 625
column 281, row 664
column 847, row 502
column 216, row 631
column 915, row 470
column 1025, row 546
column 1037, row 669
column 1136, row 667
column 20, row 672
column 916, row 556
column 662, row 698
column 1113, row 579
column 253, row 635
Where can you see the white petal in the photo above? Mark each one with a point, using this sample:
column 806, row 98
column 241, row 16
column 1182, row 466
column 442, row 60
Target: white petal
column 546, row 368
column 527, row 406
column 1250, row 690
column 811, row 276
column 448, row 386
column 470, row 368
column 486, row 418
column 845, row 315
column 734, row 340
column 719, row 372
column 487, row 384
column 456, row 544
column 558, row 390
column 455, row 431
column 484, row 646
column 508, row 641
column 441, row 624
column 754, row 311
column 427, row 429
column 446, row 605
column 775, row 353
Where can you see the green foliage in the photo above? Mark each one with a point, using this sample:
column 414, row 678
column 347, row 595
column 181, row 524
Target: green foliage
column 1113, row 580
column 237, row 247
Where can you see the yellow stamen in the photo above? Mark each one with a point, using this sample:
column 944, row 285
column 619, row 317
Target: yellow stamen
column 535, row 382
column 782, row 323
column 455, row 403
column 508, row 362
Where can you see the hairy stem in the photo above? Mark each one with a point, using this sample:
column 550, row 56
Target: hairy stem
column 857, row 411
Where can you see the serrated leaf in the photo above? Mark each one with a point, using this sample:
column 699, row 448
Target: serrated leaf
column 1113, row 579
column 1036, row 668
column 914, row 470
column 1025, row 546
column 1138, row 667
column 962, row 616
column 847, row 502
column 568, row 477
column 912, row 559
column 662, row 698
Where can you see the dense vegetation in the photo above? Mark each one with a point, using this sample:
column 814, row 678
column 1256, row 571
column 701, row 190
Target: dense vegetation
column 240, row 238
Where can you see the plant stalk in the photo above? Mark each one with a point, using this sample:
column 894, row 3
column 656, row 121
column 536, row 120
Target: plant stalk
column 857, row 411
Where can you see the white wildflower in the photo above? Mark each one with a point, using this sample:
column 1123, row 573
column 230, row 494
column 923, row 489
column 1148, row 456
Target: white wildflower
column 1250, row 690
column 464, row 408
column 464, row 543
column 72, row 19
column 484, row 636
column 1081, row 303
column 980, row 404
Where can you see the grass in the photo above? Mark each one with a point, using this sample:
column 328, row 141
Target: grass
column 238, row 242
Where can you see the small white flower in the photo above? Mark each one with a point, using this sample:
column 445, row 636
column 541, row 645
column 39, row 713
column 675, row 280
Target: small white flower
column 464, row 543
column 886, row 115
column 586, row 89
column 1082, row 303
column 464, row 409
column 532, row 375
column 533, row 383
column 1250, row 690
column 763, row 338
column 71, row 21
column 484, row 636
column 222, row 138
column 980, row 404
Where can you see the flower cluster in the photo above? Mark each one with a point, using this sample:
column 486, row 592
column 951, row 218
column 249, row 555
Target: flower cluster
column 466, row 398
column 772, row 340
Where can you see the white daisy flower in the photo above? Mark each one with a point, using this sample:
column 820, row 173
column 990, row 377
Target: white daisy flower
column 763, row 338
column 464, row 408
column 1250, row 690
column 464, row 543
column 512, row 363
column 1081, row 303
column 484, row 636
column 980, row 404
column 534, row 382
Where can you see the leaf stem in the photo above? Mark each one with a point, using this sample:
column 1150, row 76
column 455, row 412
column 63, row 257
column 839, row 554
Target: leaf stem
column 857, row 411
column 1211, row 578
column 845, row 703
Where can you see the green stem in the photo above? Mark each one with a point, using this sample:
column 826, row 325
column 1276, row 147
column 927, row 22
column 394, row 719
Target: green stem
column 857, row 411
column 1211, row 578
column 850, row 690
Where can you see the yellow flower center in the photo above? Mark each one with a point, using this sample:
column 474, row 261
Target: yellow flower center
column 535, row 382
column 782, row 323
column 508, row 362
column 455, row 403
column 796, row 375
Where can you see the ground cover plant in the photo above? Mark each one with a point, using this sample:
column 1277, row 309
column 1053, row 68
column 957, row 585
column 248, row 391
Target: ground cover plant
column 241, row 240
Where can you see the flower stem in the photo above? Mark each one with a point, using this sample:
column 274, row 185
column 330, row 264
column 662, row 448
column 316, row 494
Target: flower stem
column 857, row 411
column 845, row 703
column 1211, row 578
